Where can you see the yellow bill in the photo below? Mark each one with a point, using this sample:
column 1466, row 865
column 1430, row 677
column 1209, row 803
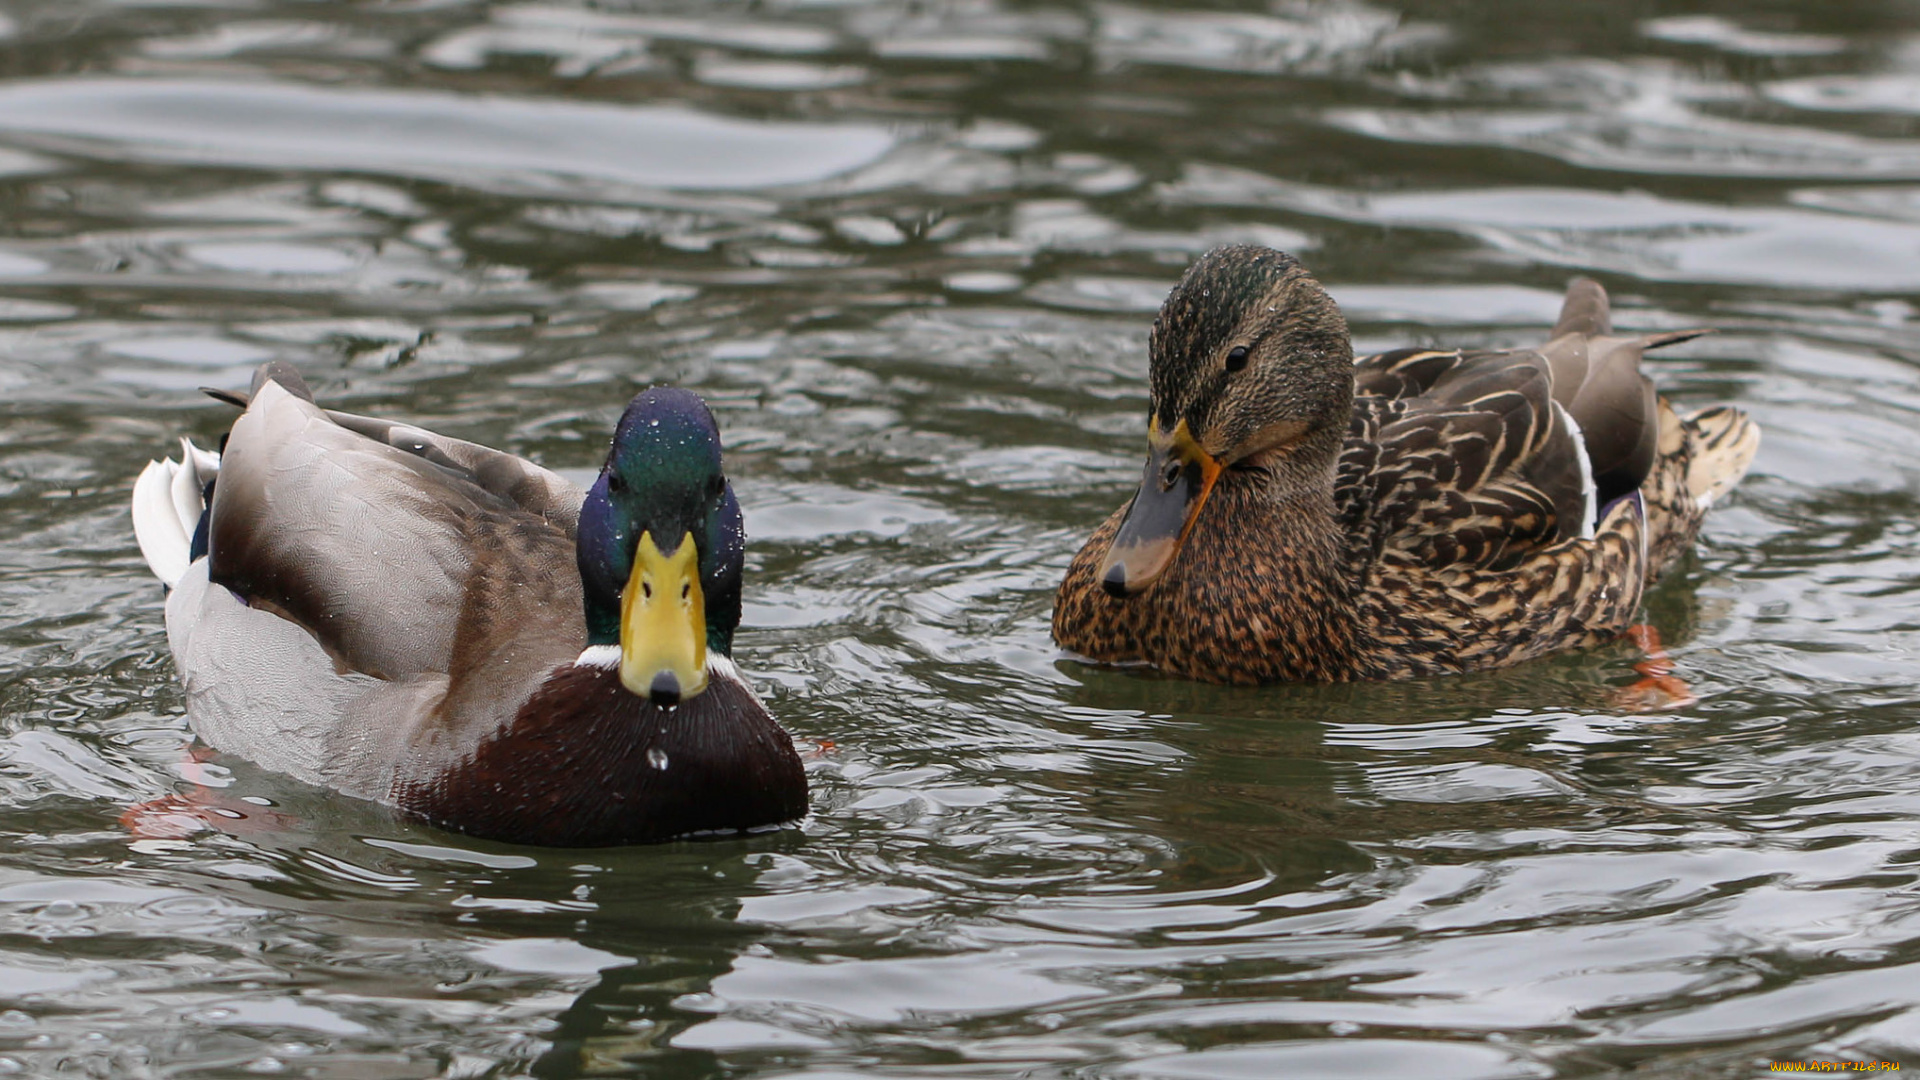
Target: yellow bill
column 663, row 624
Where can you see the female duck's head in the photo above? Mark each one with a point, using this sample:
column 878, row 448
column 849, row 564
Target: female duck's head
column 660, row 548
column 1249, row 365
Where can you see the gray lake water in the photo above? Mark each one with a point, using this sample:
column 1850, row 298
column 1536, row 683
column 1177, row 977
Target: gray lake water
column 910, row 252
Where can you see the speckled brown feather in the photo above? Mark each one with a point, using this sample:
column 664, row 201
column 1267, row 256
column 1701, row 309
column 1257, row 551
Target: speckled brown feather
column 1254, row 603
column 1446, row 532
column 1701, row 456
column 1468, row 462
column 1240, row 605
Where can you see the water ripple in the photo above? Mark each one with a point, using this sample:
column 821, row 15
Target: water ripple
column 910, row 254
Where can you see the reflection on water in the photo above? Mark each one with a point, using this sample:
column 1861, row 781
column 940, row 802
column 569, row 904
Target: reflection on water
column 909, row 253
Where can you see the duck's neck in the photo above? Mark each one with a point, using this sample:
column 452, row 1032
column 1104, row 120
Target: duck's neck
column 1281, row 519
column 1265, row 577
column 1261, row 591
column 1289, row 493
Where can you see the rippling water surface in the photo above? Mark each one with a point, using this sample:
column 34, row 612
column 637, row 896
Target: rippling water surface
column 909, row 252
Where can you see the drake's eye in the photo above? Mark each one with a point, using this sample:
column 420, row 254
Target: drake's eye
column 615, row 485
column 1236, row 358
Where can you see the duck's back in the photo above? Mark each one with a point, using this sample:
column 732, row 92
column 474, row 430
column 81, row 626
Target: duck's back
column 370, row 586
column 1460, row 457
column 1503, row 504
column 1482, row 458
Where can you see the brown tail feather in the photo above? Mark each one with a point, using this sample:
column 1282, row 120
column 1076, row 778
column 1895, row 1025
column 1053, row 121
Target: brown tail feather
column 1585, row 311
column 1702, row 455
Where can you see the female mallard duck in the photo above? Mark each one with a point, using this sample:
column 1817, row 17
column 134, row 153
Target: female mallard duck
column 1420, row 512
column 464, row 635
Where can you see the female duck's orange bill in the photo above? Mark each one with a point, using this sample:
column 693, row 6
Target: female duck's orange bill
column 1178, row 478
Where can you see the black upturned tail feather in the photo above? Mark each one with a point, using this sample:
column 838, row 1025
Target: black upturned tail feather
column 1674, row 337
column 197, row 549
column 273, row 370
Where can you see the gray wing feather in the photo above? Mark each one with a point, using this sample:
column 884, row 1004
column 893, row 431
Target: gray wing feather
column 1597, row 379
column 376, row 598
column 509, row 476
column 365, row 544
column 261, row 687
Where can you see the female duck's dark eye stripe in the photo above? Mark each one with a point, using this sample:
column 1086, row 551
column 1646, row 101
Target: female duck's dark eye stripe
column 1236, row 358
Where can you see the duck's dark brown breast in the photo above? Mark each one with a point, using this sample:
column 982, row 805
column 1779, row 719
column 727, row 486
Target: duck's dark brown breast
column 1257, row 594
column 586, row 764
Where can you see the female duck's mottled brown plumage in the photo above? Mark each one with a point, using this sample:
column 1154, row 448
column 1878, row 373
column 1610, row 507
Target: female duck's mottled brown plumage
column 1420, row 512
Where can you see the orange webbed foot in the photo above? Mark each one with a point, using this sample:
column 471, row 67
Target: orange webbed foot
column 1658, row 689
column 200, row 808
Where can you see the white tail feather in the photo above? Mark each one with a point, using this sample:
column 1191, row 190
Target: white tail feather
column 206, row 463
column 186, row 489
column 156, row 522
column 167, row 504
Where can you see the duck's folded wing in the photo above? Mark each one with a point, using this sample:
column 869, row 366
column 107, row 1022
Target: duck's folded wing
column 371, row 545
column 1597, row 378
column 262, row 687
column 1465, row 459
column 1594, row 375
column 511, row 477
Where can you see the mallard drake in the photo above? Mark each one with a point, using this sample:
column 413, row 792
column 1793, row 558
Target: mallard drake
column 1308, row 517
column 462, row 634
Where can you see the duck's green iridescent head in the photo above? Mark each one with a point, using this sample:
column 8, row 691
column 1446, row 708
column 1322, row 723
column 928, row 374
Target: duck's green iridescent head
column 660, row 547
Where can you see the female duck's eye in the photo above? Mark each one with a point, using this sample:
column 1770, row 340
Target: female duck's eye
column 1236, row 358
